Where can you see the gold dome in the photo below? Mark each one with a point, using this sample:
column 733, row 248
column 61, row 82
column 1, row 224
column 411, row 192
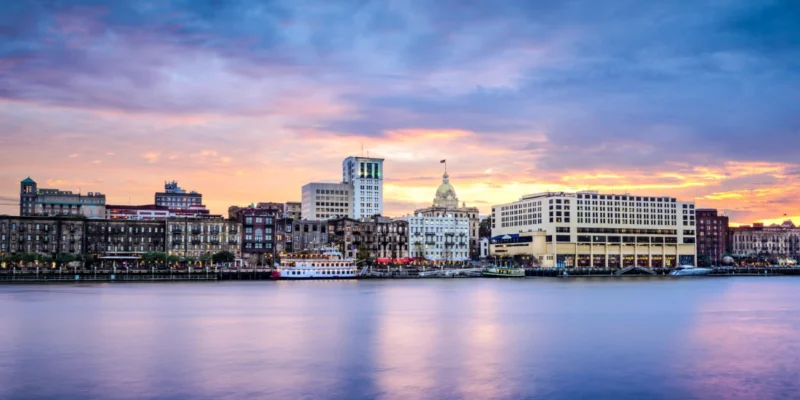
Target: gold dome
column 446, row 194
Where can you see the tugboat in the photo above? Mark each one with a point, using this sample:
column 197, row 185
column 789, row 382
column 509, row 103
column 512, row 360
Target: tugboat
column 504, row 272
column 328, row 265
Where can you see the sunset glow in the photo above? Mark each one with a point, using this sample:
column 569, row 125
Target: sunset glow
column 246, row 102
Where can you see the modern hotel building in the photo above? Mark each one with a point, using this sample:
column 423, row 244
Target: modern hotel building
column 589, row 229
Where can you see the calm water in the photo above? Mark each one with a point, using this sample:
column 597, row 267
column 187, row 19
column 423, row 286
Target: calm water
column 433, row 339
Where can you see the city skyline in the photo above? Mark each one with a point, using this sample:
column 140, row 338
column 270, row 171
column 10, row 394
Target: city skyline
column 117, row 98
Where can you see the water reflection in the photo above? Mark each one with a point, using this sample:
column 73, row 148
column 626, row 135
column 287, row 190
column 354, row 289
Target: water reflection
column 741, row 341
column 487, row 338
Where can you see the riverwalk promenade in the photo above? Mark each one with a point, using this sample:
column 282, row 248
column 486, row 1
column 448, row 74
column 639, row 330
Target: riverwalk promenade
column 77, row 275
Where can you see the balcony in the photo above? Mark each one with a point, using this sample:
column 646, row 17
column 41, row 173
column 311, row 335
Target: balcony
column 215, row 242
column 196, row 231
column 233, row 231
column 175, row 242
column 231, row 241
column 214, row 232
column 195, row 242
column 177, row 231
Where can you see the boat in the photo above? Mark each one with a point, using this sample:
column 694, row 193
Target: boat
column 690, row 270
column 504, row 272
column 329, row 264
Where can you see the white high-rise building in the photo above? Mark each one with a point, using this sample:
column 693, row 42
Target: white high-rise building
column 326, row 201
column 366, row 176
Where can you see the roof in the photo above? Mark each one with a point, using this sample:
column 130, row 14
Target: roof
column 28, row 180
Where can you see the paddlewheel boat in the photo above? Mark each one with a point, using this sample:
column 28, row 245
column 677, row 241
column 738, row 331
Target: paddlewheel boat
column 329, row 264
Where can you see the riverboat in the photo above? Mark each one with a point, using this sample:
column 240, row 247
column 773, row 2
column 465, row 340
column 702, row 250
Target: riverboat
column 504, row 272
column 326, row 265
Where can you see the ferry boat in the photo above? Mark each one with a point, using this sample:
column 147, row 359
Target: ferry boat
column 690, row 270
column 504, row 272
column 326, row 265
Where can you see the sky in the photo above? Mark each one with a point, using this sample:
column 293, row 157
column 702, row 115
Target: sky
column 246, row 101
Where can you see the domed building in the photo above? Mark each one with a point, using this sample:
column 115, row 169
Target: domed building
column 446, row 194
column 445, row 203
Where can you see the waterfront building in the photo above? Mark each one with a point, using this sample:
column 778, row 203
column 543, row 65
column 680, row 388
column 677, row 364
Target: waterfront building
column 202, row 236
column 309, row 235
column 345, row 235
column 773, row 241
column 712, row 235
column 176, row 198
column 438, row 238
column 446, row 202
column 589, row 229
column 365, row 175
column 124, row 240
column 283, row 235
column 34, row 201
column 293, row 209
column 322, row 201
column 259, row 230
column 389, row 238
column 376, row 238
column 45, row 236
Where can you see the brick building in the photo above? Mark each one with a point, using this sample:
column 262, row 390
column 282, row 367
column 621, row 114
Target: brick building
column 197, row 237
column 259, row 231
column 712, row 235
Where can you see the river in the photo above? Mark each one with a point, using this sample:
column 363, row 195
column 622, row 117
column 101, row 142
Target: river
column 548, row 338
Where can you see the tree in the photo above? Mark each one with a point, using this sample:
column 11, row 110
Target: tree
column 223, row 257
column 703, row 260
column 362, row 253
column 28, row 258
column 88, row 259
column 173, row 259
column 64, row 258
column 485, row 228
column 205, row 258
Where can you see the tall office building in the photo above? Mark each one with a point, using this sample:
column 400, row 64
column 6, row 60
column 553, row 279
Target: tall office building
column 322, row 201
column 366, row 176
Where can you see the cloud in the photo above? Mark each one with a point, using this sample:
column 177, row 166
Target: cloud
column 151, row 157
column 696, row 101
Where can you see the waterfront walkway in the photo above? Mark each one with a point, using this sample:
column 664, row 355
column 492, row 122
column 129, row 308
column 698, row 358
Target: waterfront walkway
column 43, row 275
